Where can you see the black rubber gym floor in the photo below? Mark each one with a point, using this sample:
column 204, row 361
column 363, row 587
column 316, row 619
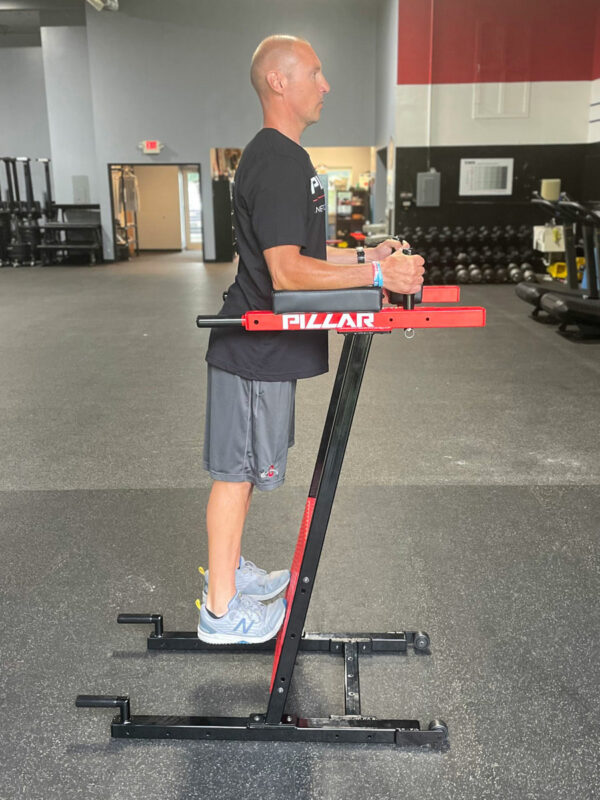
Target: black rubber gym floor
column 468, row 507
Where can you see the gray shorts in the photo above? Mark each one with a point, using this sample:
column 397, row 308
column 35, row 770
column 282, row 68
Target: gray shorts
column 249, row 427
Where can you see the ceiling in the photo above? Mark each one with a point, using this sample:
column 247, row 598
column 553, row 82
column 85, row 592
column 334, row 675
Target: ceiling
column 21, row 20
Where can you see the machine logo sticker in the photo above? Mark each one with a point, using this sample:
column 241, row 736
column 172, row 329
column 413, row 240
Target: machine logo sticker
column 328, row 321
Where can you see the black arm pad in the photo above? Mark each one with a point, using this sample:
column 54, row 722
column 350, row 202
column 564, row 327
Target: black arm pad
column 363, row 299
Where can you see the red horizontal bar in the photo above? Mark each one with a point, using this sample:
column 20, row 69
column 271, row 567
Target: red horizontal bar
column 441, row 294
column 388, row 319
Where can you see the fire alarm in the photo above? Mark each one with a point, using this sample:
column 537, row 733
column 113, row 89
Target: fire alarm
column 150, row 146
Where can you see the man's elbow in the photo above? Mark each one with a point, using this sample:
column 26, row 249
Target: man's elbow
column 278, row 279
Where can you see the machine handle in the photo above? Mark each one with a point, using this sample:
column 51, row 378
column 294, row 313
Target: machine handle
column 407, row 301
column 218, row 322
column 143, row 619
column 103, row 701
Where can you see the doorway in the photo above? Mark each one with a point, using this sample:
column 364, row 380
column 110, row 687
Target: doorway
column 156, row 207
column 192, row 207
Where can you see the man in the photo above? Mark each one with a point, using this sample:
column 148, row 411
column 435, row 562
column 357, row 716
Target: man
column 280, row 224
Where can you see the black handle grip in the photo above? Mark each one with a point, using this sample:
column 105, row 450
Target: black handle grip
column 99, row 701
column 136, row 619
column 106, row 701
column 143, row 619
column 407, row 301
column 218, row 322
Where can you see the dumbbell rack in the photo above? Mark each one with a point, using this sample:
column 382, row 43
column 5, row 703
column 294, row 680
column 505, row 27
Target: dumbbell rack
column 276, row 724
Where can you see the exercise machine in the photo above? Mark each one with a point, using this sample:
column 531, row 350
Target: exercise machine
column 580, row 309
column 358, row 315
column 560, row 213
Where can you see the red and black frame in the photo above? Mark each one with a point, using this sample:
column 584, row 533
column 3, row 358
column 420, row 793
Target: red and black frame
column 276, row 723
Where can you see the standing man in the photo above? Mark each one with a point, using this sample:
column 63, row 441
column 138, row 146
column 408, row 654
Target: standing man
column 279, row 208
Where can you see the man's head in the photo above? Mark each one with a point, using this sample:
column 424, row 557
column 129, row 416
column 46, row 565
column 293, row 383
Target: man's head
column 286, row 74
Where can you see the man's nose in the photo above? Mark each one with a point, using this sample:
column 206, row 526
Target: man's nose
column 325, row 86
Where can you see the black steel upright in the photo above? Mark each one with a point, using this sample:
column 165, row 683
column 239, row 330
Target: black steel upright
column 323, row 487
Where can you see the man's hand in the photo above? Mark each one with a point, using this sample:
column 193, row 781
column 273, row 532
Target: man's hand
column 385, row 249
column 401, row 273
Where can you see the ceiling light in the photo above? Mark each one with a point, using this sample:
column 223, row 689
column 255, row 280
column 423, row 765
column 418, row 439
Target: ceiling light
column 109, row 5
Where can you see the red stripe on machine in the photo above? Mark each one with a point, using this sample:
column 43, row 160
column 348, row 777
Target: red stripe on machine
column 295, row 572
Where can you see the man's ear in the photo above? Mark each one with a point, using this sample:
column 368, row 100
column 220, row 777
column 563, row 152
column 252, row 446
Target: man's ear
column 276, row 81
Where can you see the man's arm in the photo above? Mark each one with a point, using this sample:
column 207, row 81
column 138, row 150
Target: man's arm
column 348, row 255
column 292, row 271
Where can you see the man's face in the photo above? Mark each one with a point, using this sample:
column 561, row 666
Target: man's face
column 306, row 87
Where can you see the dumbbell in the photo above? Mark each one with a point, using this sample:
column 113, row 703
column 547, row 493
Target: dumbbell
column 515, row 273
column 474, row 273
column 501, row 273
column 435, row 274
column 487, row 273
column 462, row 258
column 462, row 273
column 449, row 276
column 528, row 272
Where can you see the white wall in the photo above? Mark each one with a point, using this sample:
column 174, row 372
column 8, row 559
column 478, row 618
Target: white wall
column 179, row 72
column 68, row 93
column 537, row 113
column 24, row 119
column 594, row 112
column 386, row 68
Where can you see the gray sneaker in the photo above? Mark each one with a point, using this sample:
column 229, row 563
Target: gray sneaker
column 256, row 583
column 246, row 622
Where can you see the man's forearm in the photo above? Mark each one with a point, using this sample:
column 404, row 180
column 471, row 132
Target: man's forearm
column 298, row 272
column 348, row 255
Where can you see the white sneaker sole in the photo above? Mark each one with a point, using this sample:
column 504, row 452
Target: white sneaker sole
column 234, row 638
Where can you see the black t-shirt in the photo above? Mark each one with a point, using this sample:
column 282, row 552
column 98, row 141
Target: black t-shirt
column 277, row 200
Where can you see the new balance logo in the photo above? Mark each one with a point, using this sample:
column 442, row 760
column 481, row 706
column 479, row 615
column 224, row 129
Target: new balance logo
column 244, row 625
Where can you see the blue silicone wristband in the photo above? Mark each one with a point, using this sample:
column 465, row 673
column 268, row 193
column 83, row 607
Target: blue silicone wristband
column 378, row 277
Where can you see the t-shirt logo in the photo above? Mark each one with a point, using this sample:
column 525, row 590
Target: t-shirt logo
column 318, row 195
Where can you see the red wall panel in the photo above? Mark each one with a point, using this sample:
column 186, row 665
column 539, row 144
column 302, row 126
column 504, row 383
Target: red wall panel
column 487, row 40
column 596, row 65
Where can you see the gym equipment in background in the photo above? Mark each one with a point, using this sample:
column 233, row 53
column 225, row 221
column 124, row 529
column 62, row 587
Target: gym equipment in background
column 50, row 233
column 356, row 313
column 532, row 292
column 570, row 304
column 579, row 309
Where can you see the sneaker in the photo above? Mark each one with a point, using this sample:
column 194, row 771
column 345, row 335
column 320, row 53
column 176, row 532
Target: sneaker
column 256, row 583
column 246, row 622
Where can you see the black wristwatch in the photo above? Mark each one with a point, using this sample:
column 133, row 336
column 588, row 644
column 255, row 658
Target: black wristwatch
column 360, row 254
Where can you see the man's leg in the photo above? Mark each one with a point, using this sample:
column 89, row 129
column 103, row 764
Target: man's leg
column 226, row 512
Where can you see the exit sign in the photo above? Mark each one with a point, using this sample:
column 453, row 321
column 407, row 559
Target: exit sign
column 150, row 146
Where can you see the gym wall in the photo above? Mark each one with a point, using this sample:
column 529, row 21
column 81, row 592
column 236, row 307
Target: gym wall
column 385, row 77
column 24, row 128
column 179, row 72
column 594, row 129
column 479, row 79
column 70, row 120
